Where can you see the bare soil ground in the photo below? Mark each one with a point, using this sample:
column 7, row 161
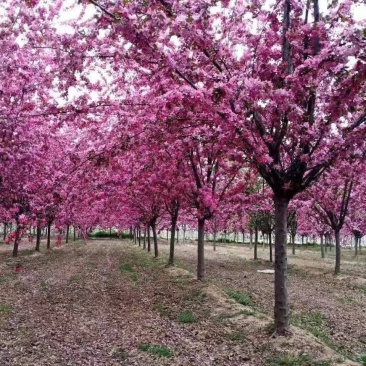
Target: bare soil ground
column 331, row 307
column 110, row 303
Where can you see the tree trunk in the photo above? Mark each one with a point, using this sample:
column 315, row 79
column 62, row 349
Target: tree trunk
column 67, row 233
column 148, row 239
column 174, row 219
column 74, row 233
column 214, row 241
column 201, row 250
column 293, row 244
column 177, row 236
column 144, row 244
column 251, row 239
column 49, row 223
column 38, row 238
column 155, row 238
column 184, row 234
column 337, row 268
column 322, row 246
column 270, row 247
column 139, row 232
column 281, row 308
column 16, row 240
column 243, row 237
column 356, row 245
column 255, row 244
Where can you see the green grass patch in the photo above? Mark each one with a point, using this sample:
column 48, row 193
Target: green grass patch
column 126, row 267
column 361, row 288
column 300, row 360
column 43, row 285
column 75, row 278
column 25, row 252
column 195, row 295
column 236, row 336
column 5, row 309
column 317, row 324
column 347, row 300
column 161, row 309
column 187, row 317
column 160, row 351
column 240, row 297
column 361, row 359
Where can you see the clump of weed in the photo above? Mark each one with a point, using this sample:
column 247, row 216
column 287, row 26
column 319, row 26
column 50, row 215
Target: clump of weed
column 160, row 351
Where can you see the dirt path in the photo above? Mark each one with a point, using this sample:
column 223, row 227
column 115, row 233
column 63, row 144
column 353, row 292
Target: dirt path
column 332, row 308
column 109, row 303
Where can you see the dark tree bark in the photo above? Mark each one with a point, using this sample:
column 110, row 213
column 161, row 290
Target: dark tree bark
column 155, row 238
column 337, row 268
column 270, row 247
column 74, row 233
column 250, row 239
column 16, row 240
column 174, row 219
column 293, row 244
column 148, row 239
column 356, row 245
column 144, row 243
column 201, row 250
column 38, row 238
column 67, row 233
column 139, row 233
column 322, row 245
column 49, row 223
column 255, row 244
column 214, row 241
column 281, row 309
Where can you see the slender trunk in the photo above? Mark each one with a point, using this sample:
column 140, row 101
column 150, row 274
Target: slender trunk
column 281, row 308
column 67, row 233
column 144, row 244
column 155, row 238
column 148, row 239
column 49, row 234
column 214, row 241
column 293, row 244
column 337, row 268
column 184, row 234
column 5, row 227
column 16, row 240
column 270, row 247
column 139, row 232
column 255, row 244
column 250, row 239
column 201, row 250
column 325, row 243
column 38, row 238
column 74, row 234
column 167, row 234
column 356, row 245
column 263, row 239
column 322, row 246
column 172, row 240
column 243, row 237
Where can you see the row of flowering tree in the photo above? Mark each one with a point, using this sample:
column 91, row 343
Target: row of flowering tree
column 149, row 113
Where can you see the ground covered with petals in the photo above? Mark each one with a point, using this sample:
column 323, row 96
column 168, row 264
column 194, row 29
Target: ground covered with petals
column 108, row 302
